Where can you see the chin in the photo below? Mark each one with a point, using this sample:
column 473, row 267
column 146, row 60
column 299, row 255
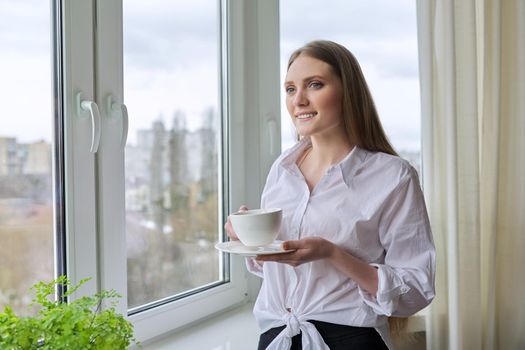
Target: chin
column 304, row 131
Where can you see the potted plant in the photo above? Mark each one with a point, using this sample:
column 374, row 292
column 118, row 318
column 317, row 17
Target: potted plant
column 81, row 324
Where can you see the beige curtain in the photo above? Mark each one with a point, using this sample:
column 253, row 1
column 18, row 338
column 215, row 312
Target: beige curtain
column 472, row 66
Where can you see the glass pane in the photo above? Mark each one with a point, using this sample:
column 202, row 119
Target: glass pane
column 26, row 203
column 171, row 88
column 382, row 34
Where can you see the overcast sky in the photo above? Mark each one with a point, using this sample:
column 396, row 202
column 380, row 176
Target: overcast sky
column 170, row 60
column 25, row 70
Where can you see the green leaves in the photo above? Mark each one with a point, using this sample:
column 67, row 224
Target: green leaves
column 81, row 324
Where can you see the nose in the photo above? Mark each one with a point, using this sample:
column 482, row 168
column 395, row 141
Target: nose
column 300, row 98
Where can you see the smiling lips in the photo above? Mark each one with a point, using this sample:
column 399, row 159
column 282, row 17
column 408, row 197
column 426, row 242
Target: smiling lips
column 305, row 116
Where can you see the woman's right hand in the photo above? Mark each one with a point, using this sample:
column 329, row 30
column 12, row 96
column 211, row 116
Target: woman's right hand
column 229, row 228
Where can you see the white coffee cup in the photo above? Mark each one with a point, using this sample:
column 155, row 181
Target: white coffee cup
column 257, row 227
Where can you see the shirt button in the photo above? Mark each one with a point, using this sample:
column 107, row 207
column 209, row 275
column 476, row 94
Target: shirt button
column 405, row 289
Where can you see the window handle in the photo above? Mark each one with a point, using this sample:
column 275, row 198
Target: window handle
column 114, row 108
column 125, row 125
column 92, row 108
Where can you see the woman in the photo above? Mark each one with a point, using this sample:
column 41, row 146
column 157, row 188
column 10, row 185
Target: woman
column 353, row 214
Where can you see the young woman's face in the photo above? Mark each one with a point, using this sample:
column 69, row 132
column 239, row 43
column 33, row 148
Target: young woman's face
column 313, row 97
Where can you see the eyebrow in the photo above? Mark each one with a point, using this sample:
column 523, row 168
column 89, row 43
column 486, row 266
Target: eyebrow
column 306, row 79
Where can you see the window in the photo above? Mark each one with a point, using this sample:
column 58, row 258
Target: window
column 383, row 36
column 165, row 122
column 166, row 193
column 172, row 69
column 26, row 171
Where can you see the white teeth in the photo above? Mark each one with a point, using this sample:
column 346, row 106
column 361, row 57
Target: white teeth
column 306, row 116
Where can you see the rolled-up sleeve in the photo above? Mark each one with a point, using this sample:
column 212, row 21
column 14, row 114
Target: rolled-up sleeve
column 254, row 266
column 406, row 278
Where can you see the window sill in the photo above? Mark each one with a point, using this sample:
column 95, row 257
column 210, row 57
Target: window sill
column 236, row 328
column 230, row 330
column 416, row 323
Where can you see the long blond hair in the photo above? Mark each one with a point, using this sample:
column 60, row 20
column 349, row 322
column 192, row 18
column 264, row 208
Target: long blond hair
column 360, row 117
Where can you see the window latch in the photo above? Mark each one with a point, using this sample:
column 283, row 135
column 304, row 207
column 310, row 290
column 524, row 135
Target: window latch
column 114, row 108
column 91, row 107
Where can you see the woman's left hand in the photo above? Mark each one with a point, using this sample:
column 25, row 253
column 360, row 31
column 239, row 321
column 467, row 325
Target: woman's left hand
column 305, row 250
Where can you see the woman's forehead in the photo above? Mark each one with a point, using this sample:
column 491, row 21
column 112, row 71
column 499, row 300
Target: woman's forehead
column 304, row 67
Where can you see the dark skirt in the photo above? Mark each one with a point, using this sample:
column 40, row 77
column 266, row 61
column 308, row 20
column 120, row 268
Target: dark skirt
column 336, row 336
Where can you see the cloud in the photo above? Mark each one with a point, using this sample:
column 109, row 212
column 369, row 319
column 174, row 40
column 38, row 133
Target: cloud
column 25, row 70
column 371, row 18
column 378, row 32
column 173, row 34
column 23, row 28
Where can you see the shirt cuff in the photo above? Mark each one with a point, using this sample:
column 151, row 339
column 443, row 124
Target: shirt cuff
column 389, row 290
column 254, row 266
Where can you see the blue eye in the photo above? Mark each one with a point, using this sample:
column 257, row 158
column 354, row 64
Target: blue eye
column 315, row 85
column 289, row 90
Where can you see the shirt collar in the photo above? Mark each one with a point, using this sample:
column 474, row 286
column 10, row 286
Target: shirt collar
column 290, row 157
column 352, row 164
column 349, row 166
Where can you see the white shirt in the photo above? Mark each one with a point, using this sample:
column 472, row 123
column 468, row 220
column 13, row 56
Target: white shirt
column 370, row 204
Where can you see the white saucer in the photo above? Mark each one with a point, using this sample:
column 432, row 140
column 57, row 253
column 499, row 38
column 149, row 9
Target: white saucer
column 236, row 247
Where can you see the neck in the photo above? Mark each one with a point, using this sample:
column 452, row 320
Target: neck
column 327, row 151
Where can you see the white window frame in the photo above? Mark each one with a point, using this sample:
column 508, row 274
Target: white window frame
column 95, row 206
column 79, row 168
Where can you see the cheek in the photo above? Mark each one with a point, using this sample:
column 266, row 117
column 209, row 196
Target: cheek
column 289, row 107
column 333, row 103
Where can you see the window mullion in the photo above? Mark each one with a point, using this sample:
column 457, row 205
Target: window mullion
column 77, row 56
column 110, row 158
